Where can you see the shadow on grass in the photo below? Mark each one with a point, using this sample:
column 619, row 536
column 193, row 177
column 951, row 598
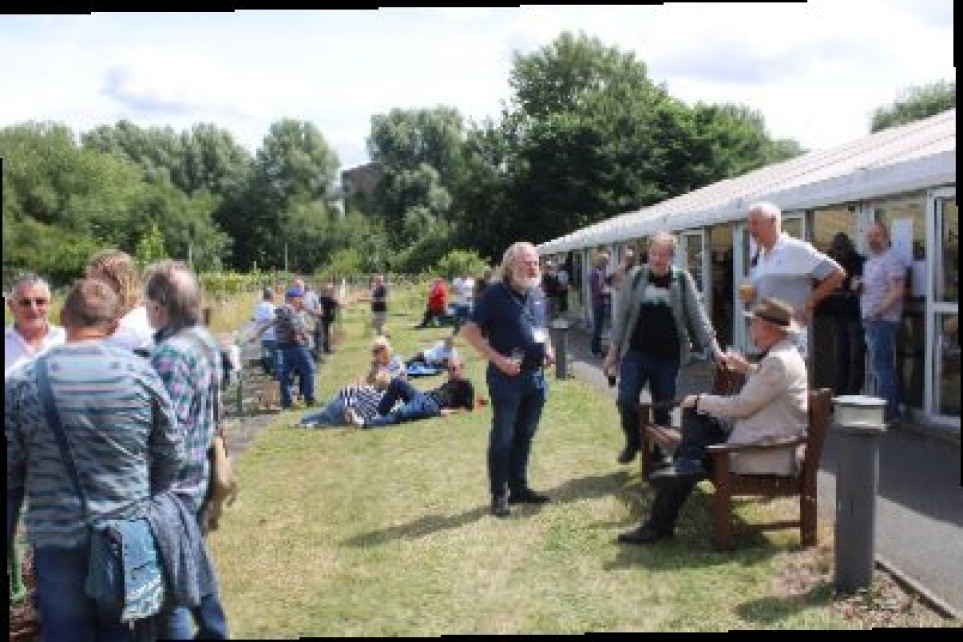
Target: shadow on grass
column 692, row 544
column 768, row 611
column 572, row 490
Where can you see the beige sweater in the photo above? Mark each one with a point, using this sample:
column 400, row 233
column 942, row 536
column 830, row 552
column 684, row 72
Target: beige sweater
column 772, row 404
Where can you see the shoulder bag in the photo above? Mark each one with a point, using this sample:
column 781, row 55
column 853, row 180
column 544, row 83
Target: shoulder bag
column 124, row 572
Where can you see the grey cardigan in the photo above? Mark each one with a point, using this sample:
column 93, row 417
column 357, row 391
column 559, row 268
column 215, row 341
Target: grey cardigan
column 686, row 310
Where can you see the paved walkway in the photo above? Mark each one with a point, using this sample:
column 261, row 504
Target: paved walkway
column 919, row 511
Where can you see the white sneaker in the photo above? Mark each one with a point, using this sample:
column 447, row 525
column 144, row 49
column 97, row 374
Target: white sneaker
column 353, row 418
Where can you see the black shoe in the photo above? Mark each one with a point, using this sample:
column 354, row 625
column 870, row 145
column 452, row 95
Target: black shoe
column 527, row 496
column 500, row 506
column 628, row 454
column 643, row 535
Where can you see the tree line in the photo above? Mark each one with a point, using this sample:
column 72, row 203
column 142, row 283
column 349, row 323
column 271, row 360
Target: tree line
column 584, row 135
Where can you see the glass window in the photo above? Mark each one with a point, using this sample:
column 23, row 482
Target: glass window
column 948, row 368
column 793, row 226
column 828, row 222
column 948, row 267
column 912, row 208
column 693, row 257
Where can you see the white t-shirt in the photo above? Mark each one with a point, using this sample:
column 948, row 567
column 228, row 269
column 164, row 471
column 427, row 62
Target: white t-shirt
column 464, row 290
column 133, row 331
column 17, row 351
column 787, row 271
column 436, row 354
column 264, row 312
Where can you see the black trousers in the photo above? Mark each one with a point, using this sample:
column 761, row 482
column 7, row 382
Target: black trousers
column 698, row 432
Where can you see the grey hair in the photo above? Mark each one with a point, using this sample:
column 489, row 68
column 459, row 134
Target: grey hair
column 665, row 238
column 173, row 285
column 26, row 280
column 769, row 210
column 511, row 254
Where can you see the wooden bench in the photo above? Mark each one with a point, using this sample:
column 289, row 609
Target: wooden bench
column 724, row 382
column 729, row 484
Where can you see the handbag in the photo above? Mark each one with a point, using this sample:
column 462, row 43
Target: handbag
column 124, row 572
column 223, row 485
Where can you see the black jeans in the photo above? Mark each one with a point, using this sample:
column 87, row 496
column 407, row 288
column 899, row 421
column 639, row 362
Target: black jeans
column 850, row 352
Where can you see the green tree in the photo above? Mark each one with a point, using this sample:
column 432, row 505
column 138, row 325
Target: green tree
column 916, row 103
column 421, row 158
column 150, row 247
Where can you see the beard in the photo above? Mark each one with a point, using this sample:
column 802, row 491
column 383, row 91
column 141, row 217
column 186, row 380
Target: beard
column 525, row 282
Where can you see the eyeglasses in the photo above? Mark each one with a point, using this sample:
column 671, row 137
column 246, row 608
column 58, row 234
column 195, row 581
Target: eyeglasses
column 25, row 303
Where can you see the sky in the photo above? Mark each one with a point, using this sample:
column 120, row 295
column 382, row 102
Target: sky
column 815, row 70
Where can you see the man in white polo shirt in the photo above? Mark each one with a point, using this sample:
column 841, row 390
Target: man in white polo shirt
column 31, row 334
column 785, row 267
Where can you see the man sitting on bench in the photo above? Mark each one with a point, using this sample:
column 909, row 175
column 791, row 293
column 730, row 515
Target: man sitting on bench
column 454, row 394
column 772, row 404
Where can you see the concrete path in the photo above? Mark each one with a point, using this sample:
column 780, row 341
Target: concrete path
column 919, row 511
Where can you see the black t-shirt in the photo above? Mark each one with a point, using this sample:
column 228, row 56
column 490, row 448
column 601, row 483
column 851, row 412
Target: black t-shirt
column 379, row 297
column 655, row 333
column 328, row 307
column 454, row 393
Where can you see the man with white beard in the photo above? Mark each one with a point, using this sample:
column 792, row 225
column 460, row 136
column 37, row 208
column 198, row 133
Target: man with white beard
column 508, row 327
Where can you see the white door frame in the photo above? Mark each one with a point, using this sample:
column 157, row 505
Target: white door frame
column 934, row 308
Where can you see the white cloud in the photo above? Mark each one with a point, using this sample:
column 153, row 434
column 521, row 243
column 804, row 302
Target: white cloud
column 816, row 70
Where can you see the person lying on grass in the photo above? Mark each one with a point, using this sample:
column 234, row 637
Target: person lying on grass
column 363, row 397
column 437, row 355
column 455, row 394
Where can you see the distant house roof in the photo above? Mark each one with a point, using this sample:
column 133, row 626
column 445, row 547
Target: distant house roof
column 913, row 156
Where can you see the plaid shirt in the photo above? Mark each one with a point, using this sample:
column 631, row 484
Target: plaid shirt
column 189, row 372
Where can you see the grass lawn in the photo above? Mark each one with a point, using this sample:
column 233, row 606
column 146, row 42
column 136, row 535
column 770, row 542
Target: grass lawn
column 341, row 532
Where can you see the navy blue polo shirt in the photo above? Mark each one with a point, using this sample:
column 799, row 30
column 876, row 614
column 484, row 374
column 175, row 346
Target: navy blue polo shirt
column 508, row 319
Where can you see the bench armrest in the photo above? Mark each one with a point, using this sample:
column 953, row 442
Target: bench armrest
column 777, row 444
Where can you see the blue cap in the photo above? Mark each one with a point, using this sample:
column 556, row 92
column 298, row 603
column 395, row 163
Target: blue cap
column 294, row 292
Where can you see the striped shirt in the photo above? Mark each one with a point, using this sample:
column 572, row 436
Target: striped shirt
column 189, row 371
column 117, row 417
column 364, row 399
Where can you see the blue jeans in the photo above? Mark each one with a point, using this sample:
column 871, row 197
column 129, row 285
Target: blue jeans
column 461, row 311
column 331, row 415
column 598, row 320
column 270, row 363
column 66, row 612
column 417, row 405
column 635, row 372
column 516, row 408
column 178, row 623
column 297, row 359
column 881, row 341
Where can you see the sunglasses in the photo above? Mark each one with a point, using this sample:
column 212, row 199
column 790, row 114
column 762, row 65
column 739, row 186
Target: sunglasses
column 25, row 303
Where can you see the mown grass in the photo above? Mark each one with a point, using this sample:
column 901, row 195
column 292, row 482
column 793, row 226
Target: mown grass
column 340, row 532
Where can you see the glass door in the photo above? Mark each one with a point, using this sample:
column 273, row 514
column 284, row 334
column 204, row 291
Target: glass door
column 692, row 257
column 942, row 310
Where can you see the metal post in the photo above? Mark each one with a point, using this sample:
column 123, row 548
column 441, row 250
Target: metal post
column 859, row 423
column 560, row 342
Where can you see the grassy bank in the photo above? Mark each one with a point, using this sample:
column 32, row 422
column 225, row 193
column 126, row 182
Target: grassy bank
column 341, row 532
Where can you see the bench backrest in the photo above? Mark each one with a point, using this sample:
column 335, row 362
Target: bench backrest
column 820, row 408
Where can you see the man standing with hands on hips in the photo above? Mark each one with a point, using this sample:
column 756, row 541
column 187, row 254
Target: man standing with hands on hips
column 785, row 267
column 508, row 327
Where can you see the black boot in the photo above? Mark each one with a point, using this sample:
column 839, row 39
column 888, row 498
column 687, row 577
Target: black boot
column 633, row 437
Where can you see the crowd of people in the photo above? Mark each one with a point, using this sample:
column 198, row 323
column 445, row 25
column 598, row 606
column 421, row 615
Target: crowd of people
column 131, row 369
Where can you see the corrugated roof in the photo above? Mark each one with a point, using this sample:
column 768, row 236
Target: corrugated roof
column 922, row 153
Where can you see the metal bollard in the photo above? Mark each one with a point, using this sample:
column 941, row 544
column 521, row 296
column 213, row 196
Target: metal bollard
column 859, row 422
column 560, row 343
